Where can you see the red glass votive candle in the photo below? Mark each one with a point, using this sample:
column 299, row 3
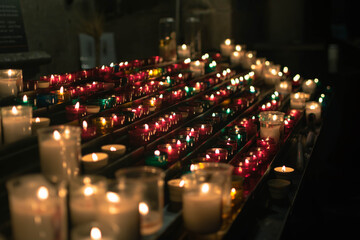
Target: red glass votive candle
column 74, row 112
column 212, row 98
column 268, row 144
column 172, row 152
column 146, row 128
column 87, row 132
column 191, row 132
column 219, row 154
column 177, row 143
column 230, row 141
column 204, row 129
column 117, row 119
column 139, row 136
column 214, row 118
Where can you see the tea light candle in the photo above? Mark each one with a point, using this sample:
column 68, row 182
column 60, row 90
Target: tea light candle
column 183, row 51
column 202, row 210
column 74, row 112
column 94, row 161
column 226, row 48
column 114, row 150
column 278, row 188
column 39, row 122
column 158, row 159
column 313, row 108
column 16, row 123
column 92, row 109
column 284, row 172
column 87, row 132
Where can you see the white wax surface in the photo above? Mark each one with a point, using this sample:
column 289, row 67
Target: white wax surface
column 32, row 219
column 271, row 130
column 91, row 165
column 83, row 209
column 59, row 158
column 226, row 50
column 202, row 213
column 297, row 103
column 125, row 215
column 16, row 128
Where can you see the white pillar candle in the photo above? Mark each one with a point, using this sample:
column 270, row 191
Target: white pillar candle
column 122, row 211
column 272, row 125
column 94, row 161
column 175, row 189
column 37, row 208
column 235, row 58
column 202, row 210
column 249, row 59
column 197, row 68
column 85, row 196
column 309, row 86
column 226, row 48
column 16, row 122
column 60, row 152
column 39, row 122
column 257, row 67
column 297, row 100
column 313, row 108
column 183, row 51
column 10, row 82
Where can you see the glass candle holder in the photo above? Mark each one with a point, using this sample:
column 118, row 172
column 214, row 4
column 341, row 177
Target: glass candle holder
column 183, row 51
column 226, row 48
column 11, row 82
column 313, row 112
column 197, row 68
column 193, row 35
column 95, row 231
column 120, row 206
column 309, row 86
column 297, row 100
column 272, row 125
column 85, row 193
column 37, row 208
column 202, row 203
column 94, row 161
column 167, row 39
column 103, row 125
column 284, row 88
column 221, row 173
column 151, row 181
column 60, row 151
column 74, row 112
column 39, row 122
column 16, row 122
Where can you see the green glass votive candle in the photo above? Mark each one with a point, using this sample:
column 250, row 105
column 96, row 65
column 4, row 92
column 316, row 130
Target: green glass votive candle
column 158, row 159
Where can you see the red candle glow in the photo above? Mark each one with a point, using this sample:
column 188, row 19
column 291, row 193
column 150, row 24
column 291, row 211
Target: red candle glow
column 74, row 112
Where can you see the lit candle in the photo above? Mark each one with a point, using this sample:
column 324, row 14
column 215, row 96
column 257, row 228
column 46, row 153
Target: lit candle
column 183, row 51
column 284, row 172
column 104, row 125
column 309, row 86
column 176, row 187
column 284, row 88
column 272, row 125
column 122, row 210
column 313, row 109
column 39, row 122
column 226, row 48
column 37, row 209
column 16, row 123
column 204, row 129
column 87, row 132
column 235, row 58
column 158, row 159
column 59, row 149
column 218, row 154
column 11, row 82
column 74, row 112
column 297, row 100
column 85, row 195
column 197, row 68
column 172, row 152
column 249, row 59
column 202, row 208
column 94, row 161
column 114, row 150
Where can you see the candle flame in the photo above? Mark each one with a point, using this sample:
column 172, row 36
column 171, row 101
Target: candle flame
column 37, row 120
column 178, row 143
column 77, row 106
column 143, row 208
column 197, row 63
column 9, row 72
column 94, row 157
column 227, row 41
column 146, row 126
column 43, row 193
column 25, row 98
column 169, row 148
column 85, row 125
column 113, row 149
column 61, row 90
column 88, row 191
column 183, row 47
column 14, row 110
column 112, row 197
column 205, row 188
column 95, row 233
column 56, row 135
column 283, row 168
column 157, row 153
column 238, row 48
column 181, row 184
column 217, row 151
column 202, row 126
column 296, row 77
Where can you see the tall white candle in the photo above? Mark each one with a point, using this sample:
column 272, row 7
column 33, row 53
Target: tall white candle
column 197, row 68
column 202, row 211
column 16, row 122
column 313, row 108
column 226, row 48
column 10, row 82
column 235, row 58
column 60, row 151
column 37, row 210
column 183, row 51
column 123, row 212
column 272, row 125
column 309, row 86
